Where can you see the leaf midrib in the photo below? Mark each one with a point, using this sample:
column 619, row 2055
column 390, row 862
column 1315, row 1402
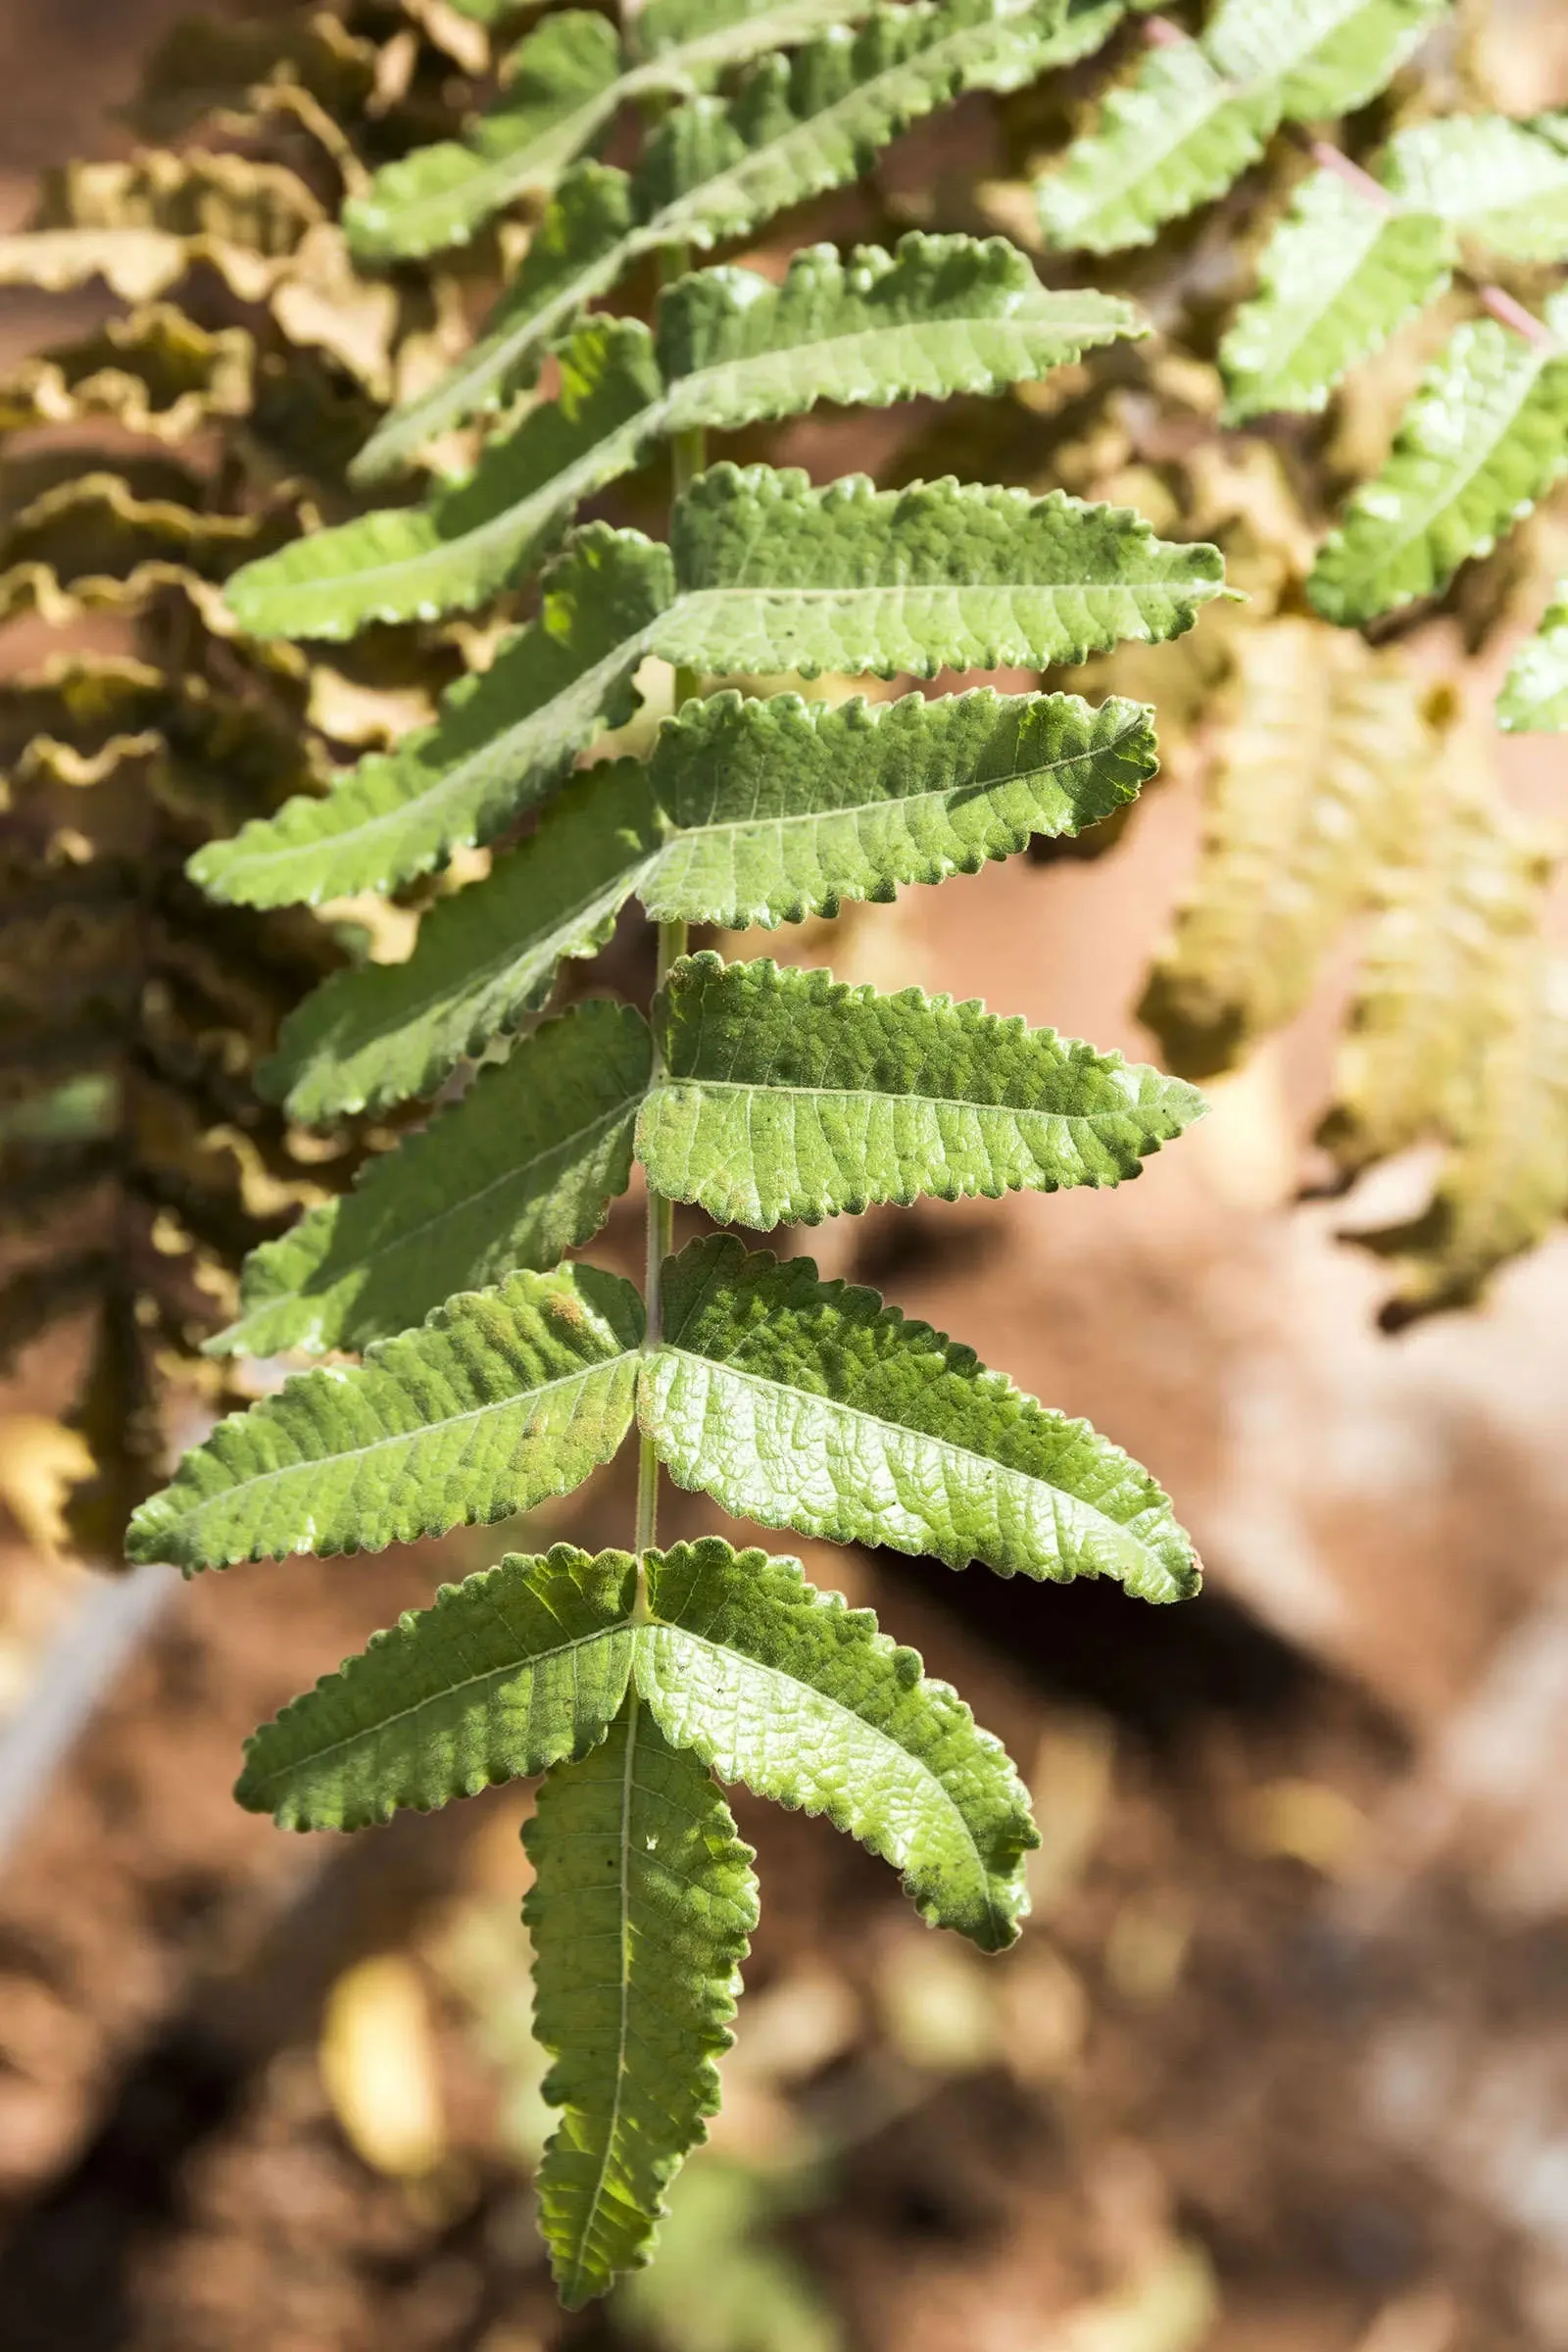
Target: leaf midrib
column 672, row 1079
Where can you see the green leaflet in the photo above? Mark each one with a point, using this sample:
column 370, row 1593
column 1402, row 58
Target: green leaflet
column 1486, row 436
column 889, row 1755
column 1535, row 693
column 798, row 127
column 769, row 574
column 502, row 1398
column 1328, row 56
column 1170, row 139
column 940, row 315
column 519, row 1171
column 503, row 742
column 483, row 960
column 749, row 811
column 1340, row 275
column 483, row 534
column 1494, row 178
column 778, row 576
column 1198, row 112
column 786, row 1095
column 511, row 1672
column 809, row 1405
column 641, row 1911
column 567, row 82
column 784, row 808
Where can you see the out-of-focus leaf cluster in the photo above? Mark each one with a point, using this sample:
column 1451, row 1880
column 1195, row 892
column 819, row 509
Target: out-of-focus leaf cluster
column 218, row 363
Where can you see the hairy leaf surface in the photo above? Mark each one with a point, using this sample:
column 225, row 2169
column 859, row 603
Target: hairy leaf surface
column 799, row 127
column 785, row 808
column 641, row 1911
column 787, row 1095
column 1340, row 275
column 502, row 1398
column 809, row 1405
column 740, row 1642
column 517, row 1173
column 1329, row 56
column 511, row 1672
column 940, row 316
column 1486, row 436
column 1535, row 693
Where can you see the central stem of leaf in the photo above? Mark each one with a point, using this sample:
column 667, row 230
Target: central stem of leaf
column 688, row 456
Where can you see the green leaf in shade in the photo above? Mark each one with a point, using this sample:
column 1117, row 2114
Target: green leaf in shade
column 1494, row 178
column 503, row 1399
column 511, row 1672
column 778, row 576
column 641, row 1910
column 740, row 1643
column 786, row 1095
column 808, row 1404
column 798, row 127
column 566, row 82
column 1340, row 275
column 770, row 575
column 484, row 959
column 1486, row 436
column 521, row 1170
column 939, row 317
column 502, row 744
column 784, row 808
column 1535, row 694
column 483, row 534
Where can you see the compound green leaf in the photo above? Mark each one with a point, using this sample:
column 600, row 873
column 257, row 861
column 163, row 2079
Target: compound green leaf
column 784, row 808
column 1494, row 178
column 808, row 1404
column 1535, row 693
column 1486, row 436
column 483, row 960
column 567, row 82
column 939, row 317
column 502, row 1398
column 483, row 534
column 504, row 741
column 1170, row 139
column 641, row 1911
column 519, row 1171
column 741, row 1643
column 511, row 1672
column 798, row 127
column 778, row 576
column 1328, row 57
column 1340, row 275
column 785, row 1095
